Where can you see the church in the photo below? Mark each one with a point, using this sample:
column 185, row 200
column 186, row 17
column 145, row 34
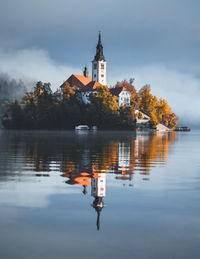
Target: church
column 86, row 84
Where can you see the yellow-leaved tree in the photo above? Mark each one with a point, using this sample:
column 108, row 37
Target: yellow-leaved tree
column 163, row 110
column 102, row 96
column 68, row 92
column 103, row 108
column 159, row 110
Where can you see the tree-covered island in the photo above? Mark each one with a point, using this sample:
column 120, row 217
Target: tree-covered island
column 64, row 109
column 84, row 99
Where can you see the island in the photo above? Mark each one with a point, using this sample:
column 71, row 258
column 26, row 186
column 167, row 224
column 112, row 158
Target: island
column 87, row 100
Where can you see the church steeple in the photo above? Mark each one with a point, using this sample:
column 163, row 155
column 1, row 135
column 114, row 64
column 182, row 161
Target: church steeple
column 98, row 205
column 99, row 50
column 99, row 64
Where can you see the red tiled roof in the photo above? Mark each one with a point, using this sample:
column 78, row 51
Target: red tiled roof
column 82, row 178
column 84, row 79
column 117, row 90
column 78, row 81
column 91, row 86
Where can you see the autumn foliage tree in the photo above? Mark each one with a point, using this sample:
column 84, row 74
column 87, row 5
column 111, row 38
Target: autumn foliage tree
column 67, row 90
column 159, row 110
column 103, row 96
column 103, row 108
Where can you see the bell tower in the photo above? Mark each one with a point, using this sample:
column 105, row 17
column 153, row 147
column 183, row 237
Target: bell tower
column 99, row 64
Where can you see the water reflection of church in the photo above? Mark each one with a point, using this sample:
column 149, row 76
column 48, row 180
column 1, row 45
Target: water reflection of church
column 96, row 179
column 124, row 159
column 86, row 160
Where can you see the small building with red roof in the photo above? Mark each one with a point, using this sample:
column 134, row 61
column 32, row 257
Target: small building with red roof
column 78, row 81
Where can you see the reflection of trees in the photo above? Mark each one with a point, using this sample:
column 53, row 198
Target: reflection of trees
column 153, row 151
column 86, row 160
column 80, row 157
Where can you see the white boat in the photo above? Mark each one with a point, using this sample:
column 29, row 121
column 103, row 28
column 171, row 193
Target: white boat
column 82, row 127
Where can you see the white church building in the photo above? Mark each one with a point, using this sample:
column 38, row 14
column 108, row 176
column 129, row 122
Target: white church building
column 86, row 84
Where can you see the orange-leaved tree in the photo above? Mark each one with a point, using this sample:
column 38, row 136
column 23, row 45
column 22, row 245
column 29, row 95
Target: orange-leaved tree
column 103, row 108
column 68, row 92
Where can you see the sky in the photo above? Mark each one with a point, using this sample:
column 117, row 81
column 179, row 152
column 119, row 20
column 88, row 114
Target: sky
column 154, row 41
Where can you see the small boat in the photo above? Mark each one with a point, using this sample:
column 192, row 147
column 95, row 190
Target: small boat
column 182, row 129
column 82, row 127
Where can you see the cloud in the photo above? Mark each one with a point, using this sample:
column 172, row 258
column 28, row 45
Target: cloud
column 133, row 30
column 32, row 65
column 38, row 193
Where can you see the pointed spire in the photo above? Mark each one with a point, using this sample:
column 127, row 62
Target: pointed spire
column 99, row 50
column 99, row 42
column 98, row 220
column 98, row 205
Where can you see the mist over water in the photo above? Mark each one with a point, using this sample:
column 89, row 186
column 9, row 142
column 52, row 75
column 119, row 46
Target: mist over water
column 111, row 194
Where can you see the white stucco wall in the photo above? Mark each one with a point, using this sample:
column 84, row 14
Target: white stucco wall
column 98, row 185
column 99, row 73
column 124, row 98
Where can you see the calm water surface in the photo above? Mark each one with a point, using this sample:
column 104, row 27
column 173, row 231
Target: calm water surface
column 99, row 195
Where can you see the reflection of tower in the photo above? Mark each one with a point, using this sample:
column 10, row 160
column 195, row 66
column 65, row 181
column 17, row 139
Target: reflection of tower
column 98, row 191
column 124, row 156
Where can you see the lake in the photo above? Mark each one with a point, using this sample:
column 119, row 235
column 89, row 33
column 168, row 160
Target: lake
column 99, row 195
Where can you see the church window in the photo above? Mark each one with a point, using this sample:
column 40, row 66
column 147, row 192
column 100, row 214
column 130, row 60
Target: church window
column 102, row 75
column 102, row 66
column 95, row 66
column 94, row 75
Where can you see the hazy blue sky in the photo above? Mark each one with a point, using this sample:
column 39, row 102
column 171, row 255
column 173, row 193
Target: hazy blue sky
column 154, row 41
